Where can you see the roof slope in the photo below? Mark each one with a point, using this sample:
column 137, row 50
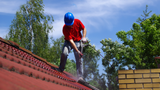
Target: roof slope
column 22, row 70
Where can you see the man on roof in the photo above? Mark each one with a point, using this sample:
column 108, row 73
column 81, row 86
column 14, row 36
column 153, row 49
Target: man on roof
column 72, row 33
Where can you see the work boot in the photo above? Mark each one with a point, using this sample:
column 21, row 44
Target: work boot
column 57, row 69
column 80, row 78
column 81, row 81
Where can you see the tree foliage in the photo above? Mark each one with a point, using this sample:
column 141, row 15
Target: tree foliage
column 71, row 67
column 115, row 58
column 139, row 47
column 55, row 50
column 144, row 39
column 90, row 59
column 90, row 67
column 146, row 14
column 30, row 27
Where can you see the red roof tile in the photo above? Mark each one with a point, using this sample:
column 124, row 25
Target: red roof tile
column 20, row 69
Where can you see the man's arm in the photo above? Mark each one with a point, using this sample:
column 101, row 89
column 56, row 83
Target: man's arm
column 84, row 40
column 84, row 33
column 73, row 45
column 72, row 42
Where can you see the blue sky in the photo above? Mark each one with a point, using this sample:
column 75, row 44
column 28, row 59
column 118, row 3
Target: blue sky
column 102, row 18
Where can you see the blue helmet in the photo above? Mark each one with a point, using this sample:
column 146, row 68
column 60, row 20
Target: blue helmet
column 69, row 19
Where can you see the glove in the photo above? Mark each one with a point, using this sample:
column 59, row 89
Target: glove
column 84, row 40
column 80, row 54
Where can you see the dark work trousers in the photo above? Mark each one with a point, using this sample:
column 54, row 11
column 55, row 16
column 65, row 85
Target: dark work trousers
column 65, row 51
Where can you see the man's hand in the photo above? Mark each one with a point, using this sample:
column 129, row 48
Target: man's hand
column 80, row 54
column 84, row 40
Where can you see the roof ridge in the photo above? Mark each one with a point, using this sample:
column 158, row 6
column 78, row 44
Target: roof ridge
column 9, row 42
column 23, row 56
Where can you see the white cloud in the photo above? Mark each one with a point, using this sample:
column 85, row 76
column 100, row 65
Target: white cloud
column 96, row 8
column 57, row 29
column 4, row 31
column 10, row 6
column 93, row 13
column 53, row 11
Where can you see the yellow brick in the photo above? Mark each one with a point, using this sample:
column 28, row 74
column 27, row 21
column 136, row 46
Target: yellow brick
column 122, row 85
column 126, row 81
column 150, row 75
column 121, row 76
column 156, row 80
column 142, row 80
column 125, row 71
column 142, row 71
column 134, row 76
column 155, row 70
column 144, row 89
column 134, row 85
column 157, row 85
column 156, row 88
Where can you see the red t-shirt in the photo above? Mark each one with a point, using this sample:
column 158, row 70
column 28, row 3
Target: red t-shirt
column 73, row 32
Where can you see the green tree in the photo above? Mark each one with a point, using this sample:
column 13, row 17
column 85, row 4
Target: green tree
column 30, row 27
column 144, row 39
column 145, row 16
column 71, row 67
column 90, row 67
column 90, row 59
column 99, row 81
column 140, row 45
column 116, row 57
column 55, row 50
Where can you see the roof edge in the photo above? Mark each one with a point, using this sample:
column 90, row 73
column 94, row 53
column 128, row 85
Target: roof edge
column 14, row 44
